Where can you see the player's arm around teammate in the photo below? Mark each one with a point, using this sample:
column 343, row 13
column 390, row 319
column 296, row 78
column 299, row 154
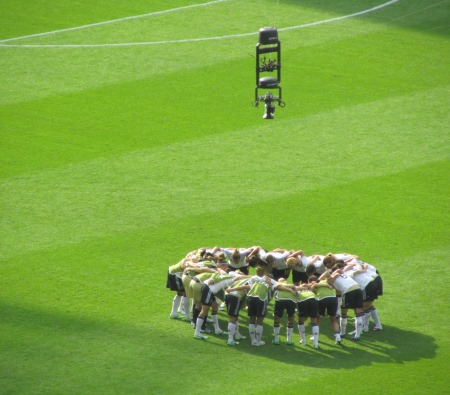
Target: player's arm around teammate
column 234, row 301
column 285, row 300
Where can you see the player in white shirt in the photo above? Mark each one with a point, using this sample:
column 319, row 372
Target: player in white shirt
column 237, row 257
column 210, row 288
column 352, row 298
column 297, row 262
column 315, row 266
column 277, row 259
column 366, row 275
column 235, row 297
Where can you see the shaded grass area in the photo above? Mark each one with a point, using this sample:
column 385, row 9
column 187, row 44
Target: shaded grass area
column 96, row 356
column 420, row 15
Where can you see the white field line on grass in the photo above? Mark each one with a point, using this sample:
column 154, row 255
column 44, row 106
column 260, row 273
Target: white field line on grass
column 172, row 41
column 150, row 14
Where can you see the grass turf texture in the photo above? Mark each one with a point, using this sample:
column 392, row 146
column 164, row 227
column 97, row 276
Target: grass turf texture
column 117, row 161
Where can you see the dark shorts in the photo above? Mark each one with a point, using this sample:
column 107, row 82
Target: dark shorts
column 208, row 297
column 256, row 307
column 352, row 299
column 282, row 305
column 299, row 277
column 174, row 283
column 328, row 306
column 308, row 308
column 370, row 292
column 234, row 305
column 276, row 273
column 379, row 282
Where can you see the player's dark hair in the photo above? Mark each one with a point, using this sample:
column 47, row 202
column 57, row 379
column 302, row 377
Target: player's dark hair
column 310, row 269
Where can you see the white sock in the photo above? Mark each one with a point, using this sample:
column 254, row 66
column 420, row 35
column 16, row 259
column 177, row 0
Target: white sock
column 175, row 305
column 343, row 324
column 289, row 334
column 374, row 314
column 231, row 331
column 186, row 305
column 198, row 326
column 366, row 320
column 358, row 326
column 276, row 333
column 315, row 332
column 252, row 331
column 339, row 298
column 236, row 333
column 302, row 332
column 215, row 320
column 337, row 336
column 259, row 332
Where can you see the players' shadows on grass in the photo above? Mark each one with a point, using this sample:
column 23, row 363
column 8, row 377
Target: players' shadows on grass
column 56, row 340
column 392, row 345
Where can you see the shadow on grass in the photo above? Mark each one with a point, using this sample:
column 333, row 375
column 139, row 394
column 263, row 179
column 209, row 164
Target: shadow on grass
column 418, row 15
column 392, row 345
column 53, row 339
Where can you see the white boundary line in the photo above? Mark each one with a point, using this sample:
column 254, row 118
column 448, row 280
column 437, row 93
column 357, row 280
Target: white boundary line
column 113, row 21
column 191, row 40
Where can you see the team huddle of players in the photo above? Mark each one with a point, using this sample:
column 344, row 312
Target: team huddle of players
column 322, row 285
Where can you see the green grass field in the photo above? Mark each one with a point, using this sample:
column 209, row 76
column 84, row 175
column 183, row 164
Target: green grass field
column 127, row 144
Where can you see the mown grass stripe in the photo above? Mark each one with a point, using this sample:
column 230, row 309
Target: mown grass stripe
column 142, row 188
